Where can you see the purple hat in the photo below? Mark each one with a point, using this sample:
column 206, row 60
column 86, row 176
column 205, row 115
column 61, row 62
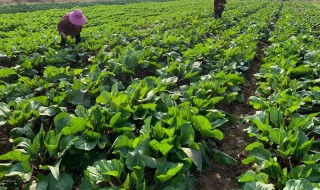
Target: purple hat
column 77, row 18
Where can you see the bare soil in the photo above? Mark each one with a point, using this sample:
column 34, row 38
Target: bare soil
column 5, row 145
column 222, row 177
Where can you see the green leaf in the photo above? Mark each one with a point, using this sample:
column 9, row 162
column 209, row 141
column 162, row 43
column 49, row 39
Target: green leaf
column 127, row 183
column 258, row 186
column 115, row 118
column 257, row 103
column 87, row 141
column 277, row 136
column 120, row 101
column 299, row 184
column 158, row 131
column 200, row 123
column 195, row 156
column 51, row 143
column 217, row 99
column 135, row 161
column 219, row 122
column 49, row 111
column 66, row 143
column 253, row 145
column 150, row 106
column 104, row 97
column 170, row 80
column 148, row 98
column 235, row 78
column 205, row 158
column 103, row 142
column 86, row 183
column 276, row 117
column 248, row 176
column 55, row 170
column 215, row 133
column 214, row 114
column 122, row 141
column 149, row 161
column 37, row 143
column 61, row 120
column 138, row 178
column 132, row 59
column 75, row 125
column 311, row 159
column 80, row 111
column 251, row 176
column 75, row 97
column 96, row 118
column 223, row 158
column 4, row 110
column 200, row 102
column 42, row 182
column 166, row 170
column 102, row 169
column 41, row 99
column 261, row 156
column 7, row 71
column 65, row 182
column 146, row 128
column 302, row 121
column 3, row 168
column 15, row 156
column 304, row 148
column 163, row 147
column 21, row 169
column 187, row 134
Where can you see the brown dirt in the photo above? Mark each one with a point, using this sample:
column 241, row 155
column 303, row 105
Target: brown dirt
column 220, row 177
column 5, row 145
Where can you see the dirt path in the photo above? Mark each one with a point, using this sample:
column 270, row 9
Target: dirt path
column 220, row 177
column 5, row 145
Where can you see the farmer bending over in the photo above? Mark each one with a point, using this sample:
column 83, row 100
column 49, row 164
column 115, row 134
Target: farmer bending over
column 218, row 8
column 71, row 25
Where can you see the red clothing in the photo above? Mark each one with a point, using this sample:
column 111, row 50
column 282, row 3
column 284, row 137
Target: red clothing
column 219, row 5
column 67, row 27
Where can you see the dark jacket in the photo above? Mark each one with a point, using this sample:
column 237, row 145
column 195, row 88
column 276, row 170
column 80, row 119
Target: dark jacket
column 219, row 5
column 67, row 27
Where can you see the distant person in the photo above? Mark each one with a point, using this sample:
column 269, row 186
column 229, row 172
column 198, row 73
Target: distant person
column 71, row 25
column 219, row 8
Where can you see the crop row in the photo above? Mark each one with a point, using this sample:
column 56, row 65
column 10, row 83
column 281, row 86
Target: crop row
column 286, row 125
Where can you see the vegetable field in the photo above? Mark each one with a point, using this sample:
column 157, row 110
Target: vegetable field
column 160, row 95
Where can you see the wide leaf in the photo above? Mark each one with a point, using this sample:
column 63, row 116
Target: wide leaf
column 195, row 156
column 15, row 155
column 299, row 184
column 65, row 182
column 258, row 186
column 166, row 170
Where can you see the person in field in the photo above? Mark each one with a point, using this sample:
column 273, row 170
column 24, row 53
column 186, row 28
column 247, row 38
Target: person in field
column 71, row 25
column 219, row 8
